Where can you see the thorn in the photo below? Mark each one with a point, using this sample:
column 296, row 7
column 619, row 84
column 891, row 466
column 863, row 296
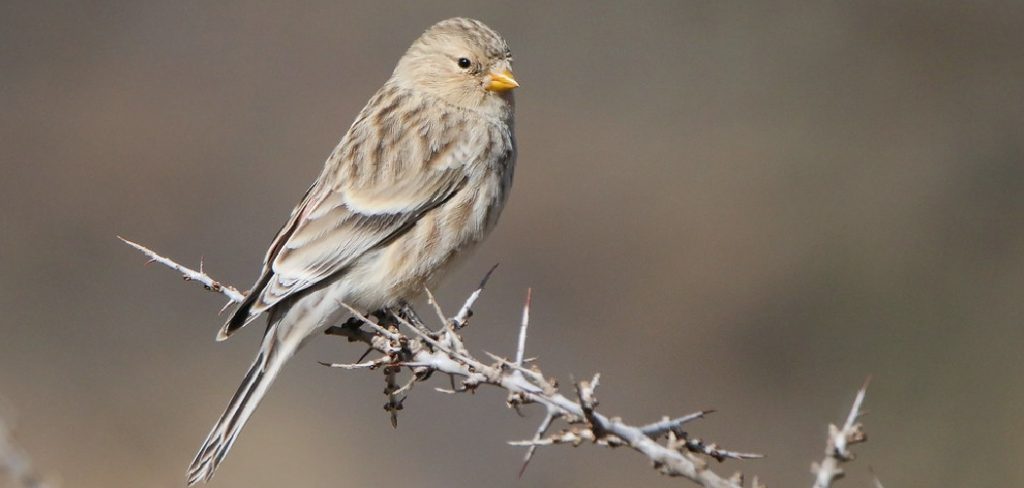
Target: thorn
column 367, row 353
column 522, row 469
column 521, row 349
column 487, row 277
column 875, row 481
column 432, row 301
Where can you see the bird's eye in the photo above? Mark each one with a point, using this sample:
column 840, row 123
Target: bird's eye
column 465, row 63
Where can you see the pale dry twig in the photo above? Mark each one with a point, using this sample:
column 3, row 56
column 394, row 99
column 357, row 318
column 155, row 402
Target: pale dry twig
column 839, row 441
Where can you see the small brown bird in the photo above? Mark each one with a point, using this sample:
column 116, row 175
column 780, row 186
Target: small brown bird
column 420, row 176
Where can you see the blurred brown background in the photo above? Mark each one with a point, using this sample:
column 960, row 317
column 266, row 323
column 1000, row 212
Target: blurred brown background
column 719, row 205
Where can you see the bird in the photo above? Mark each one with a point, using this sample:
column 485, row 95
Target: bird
column 420, row 178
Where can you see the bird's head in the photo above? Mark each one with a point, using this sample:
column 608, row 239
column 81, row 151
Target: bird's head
column 462, row 62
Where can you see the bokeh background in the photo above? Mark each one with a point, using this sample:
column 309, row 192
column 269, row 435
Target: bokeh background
column 745, row 207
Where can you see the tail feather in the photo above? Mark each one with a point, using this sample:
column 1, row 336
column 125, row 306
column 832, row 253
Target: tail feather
column 272, row 356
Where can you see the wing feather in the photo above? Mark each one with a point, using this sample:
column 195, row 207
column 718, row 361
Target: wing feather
column 395, row 163
column 350, row 211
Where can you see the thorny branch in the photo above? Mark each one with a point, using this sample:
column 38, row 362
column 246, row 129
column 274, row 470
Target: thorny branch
column 190, row 275
column 422, row 351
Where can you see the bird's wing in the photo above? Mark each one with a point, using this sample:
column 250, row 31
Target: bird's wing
column 334, row 230
column 356, row 205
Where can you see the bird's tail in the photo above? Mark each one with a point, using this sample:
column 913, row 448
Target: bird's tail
column 272, row 356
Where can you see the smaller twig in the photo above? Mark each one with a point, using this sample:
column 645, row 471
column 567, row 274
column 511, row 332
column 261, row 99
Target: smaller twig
column 462, row 318
column 521, row 348
column 712, row 450
column 189, row 274
column 226, row 306
column 658, row 429
column 434, row 342
column 567, row 436
column 839, row 439
column 436, row 306
column 373, row 325
column 848, row 427
column 394, row 404
column 533, row 375
column 376, row 363
column 549, row 417
column 875, row 482
column 585, row 393
column 407, row 386
column 407, row 313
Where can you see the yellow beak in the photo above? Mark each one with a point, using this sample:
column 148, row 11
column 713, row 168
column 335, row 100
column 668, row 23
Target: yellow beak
column 501, row 81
